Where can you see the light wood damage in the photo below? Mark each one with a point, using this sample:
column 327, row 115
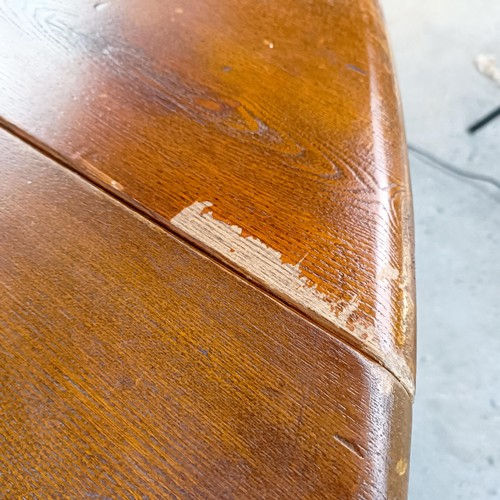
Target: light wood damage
column 265, row 264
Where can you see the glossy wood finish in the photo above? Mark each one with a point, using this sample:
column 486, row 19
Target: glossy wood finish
column 279, row 119
column 133, row 366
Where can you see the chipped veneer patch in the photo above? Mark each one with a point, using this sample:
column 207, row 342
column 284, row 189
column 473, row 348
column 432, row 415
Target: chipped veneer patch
column 263, row 262
column 266, row 264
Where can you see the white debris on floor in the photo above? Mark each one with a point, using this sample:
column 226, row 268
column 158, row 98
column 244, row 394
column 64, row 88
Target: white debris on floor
column 487, row 65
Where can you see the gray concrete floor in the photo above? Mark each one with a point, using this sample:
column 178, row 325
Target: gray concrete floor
column 456, row 435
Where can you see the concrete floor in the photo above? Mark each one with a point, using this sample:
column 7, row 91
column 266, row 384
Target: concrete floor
column 456, row 437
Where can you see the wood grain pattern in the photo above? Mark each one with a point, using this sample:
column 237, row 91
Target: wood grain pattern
column 281, row 116
column 133, row 366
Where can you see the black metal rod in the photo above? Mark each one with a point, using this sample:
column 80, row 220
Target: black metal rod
column 484, row 121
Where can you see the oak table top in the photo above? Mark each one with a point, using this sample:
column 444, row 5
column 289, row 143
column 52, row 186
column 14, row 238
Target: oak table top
column 206, row 251
column 284, row 125
column 133, row 365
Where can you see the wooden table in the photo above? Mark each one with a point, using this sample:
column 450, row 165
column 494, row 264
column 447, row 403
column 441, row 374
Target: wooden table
column 206, row 252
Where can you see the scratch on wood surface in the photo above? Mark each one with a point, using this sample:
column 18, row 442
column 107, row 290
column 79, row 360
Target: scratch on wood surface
column 98, row 173
column 266, row 264
column 352, row 447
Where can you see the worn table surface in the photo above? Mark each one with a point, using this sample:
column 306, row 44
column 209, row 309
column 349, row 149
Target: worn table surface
column 133, row 363
column 206, row 251
column 284, row 125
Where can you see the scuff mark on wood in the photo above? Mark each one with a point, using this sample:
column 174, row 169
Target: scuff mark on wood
column 401, row 466
column 388, row 273
column 391, row 276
